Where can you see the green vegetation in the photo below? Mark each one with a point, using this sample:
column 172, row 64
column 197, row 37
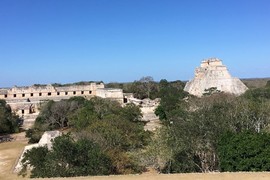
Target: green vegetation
column 69, row 84
column 54, row 115
column 255, row 82
column 210, row 91
column 171, row 95
column 146, row 87
column 245, row 151
column 76, row 83
column 103, row 125
column 67, row 158
column 217, row 132
column 9, row 122
column 194, row 130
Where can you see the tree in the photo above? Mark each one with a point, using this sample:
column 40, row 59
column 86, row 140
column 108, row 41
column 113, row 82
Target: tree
column 83, row 117
column 148, row 84
column 9, row 122
column 245, row 151
column 35, row 158
column 131, row 112
column 68, row 158
column 54, row 115
column 144, row 88
column 258, row 94
column 194, row 127
column 267, row 84
column 116, row 129
column 210, row 91
column 171, row 98
column 103, row 107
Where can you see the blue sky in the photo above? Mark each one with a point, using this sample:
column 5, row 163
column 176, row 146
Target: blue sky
column 122, row 40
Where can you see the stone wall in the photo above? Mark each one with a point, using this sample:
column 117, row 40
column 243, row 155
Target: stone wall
column 110, row 93
column 25, row 101
column 48, row 91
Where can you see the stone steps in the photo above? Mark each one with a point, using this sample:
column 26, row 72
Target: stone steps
column 29, row 120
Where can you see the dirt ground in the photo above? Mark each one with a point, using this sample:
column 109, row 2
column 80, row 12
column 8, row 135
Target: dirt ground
column 211, row 176
column 9, row 152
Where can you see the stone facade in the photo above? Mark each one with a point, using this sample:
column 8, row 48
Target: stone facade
column 213, row 74
column 25, row 101
column 111, row 93
column 41, row 92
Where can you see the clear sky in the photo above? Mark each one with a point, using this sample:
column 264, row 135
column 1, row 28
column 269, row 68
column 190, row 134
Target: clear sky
column 122, row 40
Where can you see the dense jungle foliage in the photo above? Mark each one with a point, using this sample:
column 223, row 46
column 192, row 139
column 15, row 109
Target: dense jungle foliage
column 197, row 132
column 217, row 132
column 98, row 128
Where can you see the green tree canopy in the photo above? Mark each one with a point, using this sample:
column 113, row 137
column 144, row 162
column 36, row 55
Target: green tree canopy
column 9, row 122
column 68, row 158
column 245, row 151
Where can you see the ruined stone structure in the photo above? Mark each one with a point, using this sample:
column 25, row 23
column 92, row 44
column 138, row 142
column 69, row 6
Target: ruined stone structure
column 25, row 101
column 148, row 107
column 111, row 93
column 46, row 140
column 213, row 74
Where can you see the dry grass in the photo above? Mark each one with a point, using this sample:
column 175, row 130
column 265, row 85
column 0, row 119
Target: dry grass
column 10, row 151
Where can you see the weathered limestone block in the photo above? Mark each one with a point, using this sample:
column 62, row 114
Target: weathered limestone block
column 213, row 74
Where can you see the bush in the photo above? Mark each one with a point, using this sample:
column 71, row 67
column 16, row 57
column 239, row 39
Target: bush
column 34, row 135
column 54, row 115
column 106, row 133
column 182, row 162
column 68, row 158
column 9, row 122
column 246, row 151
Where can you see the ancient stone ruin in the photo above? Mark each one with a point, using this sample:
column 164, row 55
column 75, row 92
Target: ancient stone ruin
column 148, row 108
column 212, row 75
column 25, row 101
column 46, row 140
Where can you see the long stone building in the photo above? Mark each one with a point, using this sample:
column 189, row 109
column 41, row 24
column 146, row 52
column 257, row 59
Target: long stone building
column 213, row 74
column 25, row 101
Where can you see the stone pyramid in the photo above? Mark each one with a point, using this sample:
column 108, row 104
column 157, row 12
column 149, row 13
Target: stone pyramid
column 213, row 74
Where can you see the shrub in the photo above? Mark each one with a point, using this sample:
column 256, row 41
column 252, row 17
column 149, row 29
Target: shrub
column 68, row 158
column 246, row 151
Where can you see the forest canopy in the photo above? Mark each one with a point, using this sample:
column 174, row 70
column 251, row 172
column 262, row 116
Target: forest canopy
column 217, row 132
